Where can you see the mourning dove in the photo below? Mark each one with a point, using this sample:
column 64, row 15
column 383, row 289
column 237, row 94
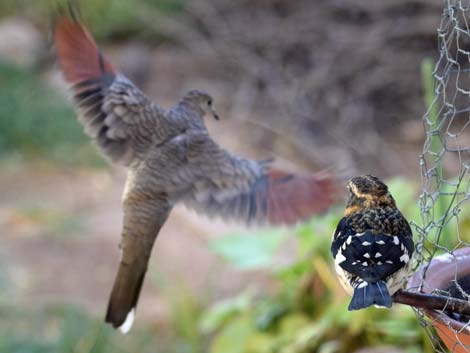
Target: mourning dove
column 170, row 158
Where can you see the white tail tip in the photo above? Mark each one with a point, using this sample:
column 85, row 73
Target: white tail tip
column 126, row 326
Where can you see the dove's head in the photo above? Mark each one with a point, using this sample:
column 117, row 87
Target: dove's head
column 202, row 100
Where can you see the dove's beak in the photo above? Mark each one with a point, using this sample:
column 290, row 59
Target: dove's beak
column 215, row 115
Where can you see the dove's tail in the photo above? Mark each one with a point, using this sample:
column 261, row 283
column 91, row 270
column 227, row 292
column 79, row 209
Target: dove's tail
column 144, row 215
column 124, row 296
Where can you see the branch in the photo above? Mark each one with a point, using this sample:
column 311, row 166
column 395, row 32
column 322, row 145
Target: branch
column 432, row 302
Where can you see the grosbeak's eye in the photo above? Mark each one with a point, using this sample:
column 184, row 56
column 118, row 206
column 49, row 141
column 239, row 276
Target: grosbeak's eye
column 209, row 102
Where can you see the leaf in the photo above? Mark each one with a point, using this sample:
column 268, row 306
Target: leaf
column 234, row 337
column 249, row 251
column 315, row 236
column 220, row 312
column 293, row 323
column 330, row 347
column 262, row 343
column 403, row 191
column 271, row 312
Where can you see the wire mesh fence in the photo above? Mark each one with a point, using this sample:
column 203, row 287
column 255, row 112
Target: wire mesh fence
column 445, row 162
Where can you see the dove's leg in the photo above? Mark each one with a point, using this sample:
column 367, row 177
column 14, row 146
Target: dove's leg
column 144, row 215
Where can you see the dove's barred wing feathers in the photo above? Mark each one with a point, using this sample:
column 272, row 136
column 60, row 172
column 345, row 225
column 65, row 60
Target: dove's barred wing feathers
column 116, row 114
column 223, row 184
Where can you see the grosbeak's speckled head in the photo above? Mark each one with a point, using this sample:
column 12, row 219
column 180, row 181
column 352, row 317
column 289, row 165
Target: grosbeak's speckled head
column 367, row 191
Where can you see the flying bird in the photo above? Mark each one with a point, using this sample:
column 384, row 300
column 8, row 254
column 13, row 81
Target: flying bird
column 171, row 158
column 372, row 244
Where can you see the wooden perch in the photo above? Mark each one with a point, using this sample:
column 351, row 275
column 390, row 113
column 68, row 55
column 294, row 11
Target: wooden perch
column 432, row 302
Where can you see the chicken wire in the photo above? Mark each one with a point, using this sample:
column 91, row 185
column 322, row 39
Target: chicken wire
column 445, row 214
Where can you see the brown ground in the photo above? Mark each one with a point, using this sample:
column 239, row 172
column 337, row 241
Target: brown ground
column 59, row 235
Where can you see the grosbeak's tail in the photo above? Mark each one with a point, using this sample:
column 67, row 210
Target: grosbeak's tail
column 291, row 198
column 77, row 52
column 367, row 294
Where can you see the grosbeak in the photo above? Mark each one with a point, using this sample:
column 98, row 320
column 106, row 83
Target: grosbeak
column 372, row 244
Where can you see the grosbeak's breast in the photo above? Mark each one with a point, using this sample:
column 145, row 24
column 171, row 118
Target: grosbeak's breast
column 372, row 246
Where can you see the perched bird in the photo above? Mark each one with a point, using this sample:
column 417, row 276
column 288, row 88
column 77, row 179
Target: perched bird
column 171, row 158
column 372, row 244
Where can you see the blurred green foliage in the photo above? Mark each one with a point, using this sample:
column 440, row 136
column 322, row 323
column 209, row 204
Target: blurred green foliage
column 53, row 222
column 36, row 122
column 308, row 312
column 250, row 251
column 108, row 18
column 66, row 329
column 185, row 310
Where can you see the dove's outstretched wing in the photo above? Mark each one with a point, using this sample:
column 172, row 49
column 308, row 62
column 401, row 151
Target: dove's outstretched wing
column 116, row 114
column 223, row 184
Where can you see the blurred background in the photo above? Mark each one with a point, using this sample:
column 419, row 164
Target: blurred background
column 326, row 84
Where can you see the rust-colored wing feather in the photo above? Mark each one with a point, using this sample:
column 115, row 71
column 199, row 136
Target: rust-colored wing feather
column 291, row 197
column 77, row 52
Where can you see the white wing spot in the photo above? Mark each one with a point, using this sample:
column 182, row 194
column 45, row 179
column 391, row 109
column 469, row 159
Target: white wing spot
column 381, row 242
column 349, row 240
column 366, row 255
column 396, row 241
column 340, row 257
column 377, row 254
column 364, row 264
column 389, row 262
column 404, row 258
column 360, row 234
column 366, row 243
column 126, row 326
column 362, row 284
